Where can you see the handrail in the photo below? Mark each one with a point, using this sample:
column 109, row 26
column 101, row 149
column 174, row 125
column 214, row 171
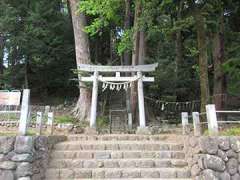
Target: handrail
column 222, row 122
column 3, row 112
column 228, row 112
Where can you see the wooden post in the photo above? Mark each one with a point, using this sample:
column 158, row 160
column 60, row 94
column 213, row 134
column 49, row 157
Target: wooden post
column 212, row 119
column 39, row 122
column 94, row 101
column 50, row 121
column 24, row 112
column 110, row 121
column 142, row 120
column 196, row 124
column 185, row 122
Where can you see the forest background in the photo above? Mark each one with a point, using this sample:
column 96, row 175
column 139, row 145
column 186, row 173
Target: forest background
column 195, row 43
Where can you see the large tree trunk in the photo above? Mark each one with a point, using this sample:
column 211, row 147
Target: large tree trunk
column 203, row 59
column 26, row 80
column 141, row 60
column 1, row 54
column 127, row 54
column 142, row 48
column 82, row 109
column 179, row 49
column 14, row 56
column 111, row 48
column 127, row 26
column 219, row 88
column 135, row 55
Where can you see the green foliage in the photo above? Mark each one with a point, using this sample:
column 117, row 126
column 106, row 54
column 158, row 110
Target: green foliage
column 39, row 34
column 103, row 12
column 126, row 42
column 102, row 122
column 7, row 134
column 39, row 40
column 231, row 132
column 64, row 119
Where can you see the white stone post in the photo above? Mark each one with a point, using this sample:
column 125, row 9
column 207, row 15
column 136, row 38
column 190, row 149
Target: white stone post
column 94, row 101
column 142, row 120
column 212, row 119
column 128, row 107
column 24, row 112
column 185, row 122
column 196, row 124
column 46, row 111
column 129, row 120
column 39, row 122
column 50, row 121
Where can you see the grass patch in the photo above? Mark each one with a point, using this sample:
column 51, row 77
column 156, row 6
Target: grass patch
column 231, row 132
column 102, row 122
column 234, row 131
column 64, row 119
column 8, row 134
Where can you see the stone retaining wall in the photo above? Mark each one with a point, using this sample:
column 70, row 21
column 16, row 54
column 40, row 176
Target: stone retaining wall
column 213, row 158
column 25, row 157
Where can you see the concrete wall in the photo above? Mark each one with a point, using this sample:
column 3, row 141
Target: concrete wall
column 25, row 157
column 213, row 158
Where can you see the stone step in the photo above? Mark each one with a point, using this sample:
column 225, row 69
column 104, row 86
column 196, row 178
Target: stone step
column 117, row 163
column 125, row 179
column 119, row 137
column 118, row 145
column 117, row 173
column 108, row 154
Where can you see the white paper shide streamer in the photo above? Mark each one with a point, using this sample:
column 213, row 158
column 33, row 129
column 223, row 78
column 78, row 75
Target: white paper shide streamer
column 115, row 86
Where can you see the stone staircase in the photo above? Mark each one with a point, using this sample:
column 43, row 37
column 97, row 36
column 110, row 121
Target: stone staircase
column 118, row 157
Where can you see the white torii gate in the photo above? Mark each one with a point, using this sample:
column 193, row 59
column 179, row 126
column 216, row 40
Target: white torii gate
column 95, row 78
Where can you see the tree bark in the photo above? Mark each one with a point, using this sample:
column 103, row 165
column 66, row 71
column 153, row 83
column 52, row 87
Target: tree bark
column 26, row 84
column 142, row 48
column 127, row 54
column 135, row 55
column 127, row 26
column 69, row 11
column 203, row 59
column 14, row 56
column 179, row 49
column 82, row 109
column 111, row 48
column 219, row 88
column 1, row 54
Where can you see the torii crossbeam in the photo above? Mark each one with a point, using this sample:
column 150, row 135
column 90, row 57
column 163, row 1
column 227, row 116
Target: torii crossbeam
column 95, row 78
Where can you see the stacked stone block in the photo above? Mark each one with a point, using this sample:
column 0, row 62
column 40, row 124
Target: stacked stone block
column 213, row 158
column 25, row 157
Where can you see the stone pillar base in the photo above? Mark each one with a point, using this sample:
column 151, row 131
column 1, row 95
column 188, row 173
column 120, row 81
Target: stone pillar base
column 144, row 131
column 90, row 131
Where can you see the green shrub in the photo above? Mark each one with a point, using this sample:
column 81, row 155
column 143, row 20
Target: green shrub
column 231, row 132
column 83, row 124
column 102, row 121
column 64, row 119
column 234, row 131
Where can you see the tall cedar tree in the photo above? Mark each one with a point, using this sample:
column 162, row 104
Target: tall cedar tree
column 82, row 109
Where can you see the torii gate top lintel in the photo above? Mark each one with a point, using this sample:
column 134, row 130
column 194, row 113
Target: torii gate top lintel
column 100, row 68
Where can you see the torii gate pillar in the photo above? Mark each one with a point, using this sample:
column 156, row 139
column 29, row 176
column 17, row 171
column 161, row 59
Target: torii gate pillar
column 142, row 119
column 93, row 115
